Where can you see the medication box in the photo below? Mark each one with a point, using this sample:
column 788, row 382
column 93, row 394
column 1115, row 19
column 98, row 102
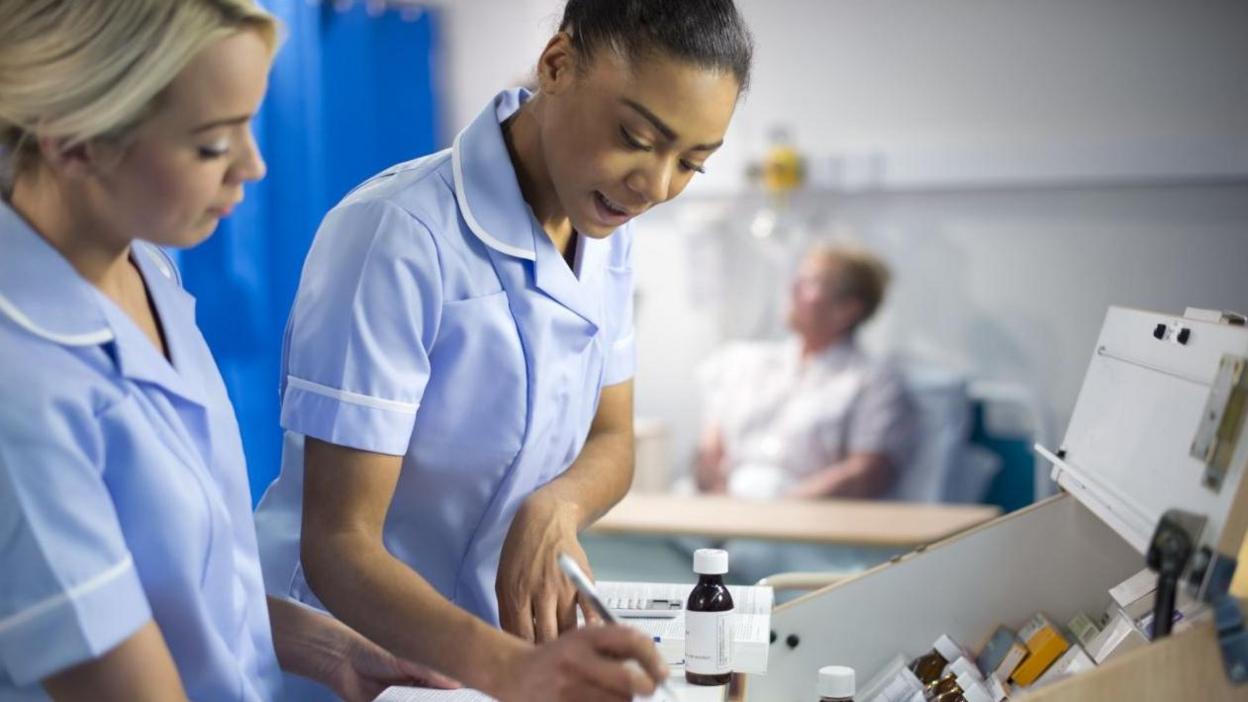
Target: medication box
column 1159, row 425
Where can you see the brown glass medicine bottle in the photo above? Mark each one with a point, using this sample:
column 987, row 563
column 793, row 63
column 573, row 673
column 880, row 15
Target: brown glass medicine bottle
column 708, row 621
column 944, row 686
column 929, row 667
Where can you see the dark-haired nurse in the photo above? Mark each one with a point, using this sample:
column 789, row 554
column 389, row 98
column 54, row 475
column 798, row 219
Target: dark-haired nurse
column 457, row 393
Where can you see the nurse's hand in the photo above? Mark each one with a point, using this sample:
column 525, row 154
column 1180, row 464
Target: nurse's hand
column 321, row 648
column 593, row 663
column 365, row 670
column 535, row 599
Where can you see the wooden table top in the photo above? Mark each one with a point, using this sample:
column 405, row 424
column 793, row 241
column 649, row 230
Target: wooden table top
column 833, row 521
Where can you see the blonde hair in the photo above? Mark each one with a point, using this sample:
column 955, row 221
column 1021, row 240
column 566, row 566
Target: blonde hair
column 82, row 70
column 860, row 275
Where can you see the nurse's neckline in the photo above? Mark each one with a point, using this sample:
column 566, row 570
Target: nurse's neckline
column 538, row 192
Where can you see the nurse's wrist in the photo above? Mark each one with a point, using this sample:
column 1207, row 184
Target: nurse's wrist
column 309, row 644
column 506, row 656
column 550, row 503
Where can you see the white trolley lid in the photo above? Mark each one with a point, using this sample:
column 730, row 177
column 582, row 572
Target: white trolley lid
column 1158, row 422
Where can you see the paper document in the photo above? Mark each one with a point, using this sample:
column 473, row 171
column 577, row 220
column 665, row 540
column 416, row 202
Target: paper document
column 684, row 693
column 751, row 624
column 424, row 694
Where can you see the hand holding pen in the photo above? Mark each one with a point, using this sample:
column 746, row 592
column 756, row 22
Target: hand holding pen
column 589, row 594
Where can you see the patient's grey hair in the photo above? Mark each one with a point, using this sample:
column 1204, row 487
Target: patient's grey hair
column 861, row 275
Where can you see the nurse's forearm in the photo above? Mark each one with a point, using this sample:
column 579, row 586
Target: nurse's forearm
column 385, row 600
column 602, row 474
column 598, row 479
column 308, row 642
column 346, row 495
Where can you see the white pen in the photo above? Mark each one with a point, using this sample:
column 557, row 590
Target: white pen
column 590, row 594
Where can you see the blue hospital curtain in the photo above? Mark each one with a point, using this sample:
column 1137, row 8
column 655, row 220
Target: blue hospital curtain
column 351, row 92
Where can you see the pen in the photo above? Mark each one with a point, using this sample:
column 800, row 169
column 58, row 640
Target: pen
column 587, row 591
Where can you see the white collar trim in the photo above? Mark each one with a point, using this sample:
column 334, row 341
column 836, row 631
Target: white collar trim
column 461, row 195
column 95, row 338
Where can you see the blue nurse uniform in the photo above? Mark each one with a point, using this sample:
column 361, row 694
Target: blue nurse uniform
column 435, row 320
column 123, row 489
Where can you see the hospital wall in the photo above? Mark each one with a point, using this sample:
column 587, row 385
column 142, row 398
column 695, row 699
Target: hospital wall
column 1021, row 165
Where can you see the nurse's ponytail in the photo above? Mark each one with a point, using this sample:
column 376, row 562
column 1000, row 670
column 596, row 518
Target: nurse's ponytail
column 707, row 33
column 83, row 70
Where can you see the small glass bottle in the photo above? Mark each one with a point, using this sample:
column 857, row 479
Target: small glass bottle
column 836, row 684
column 949, row 683
column 708, row 621
column 928, row 667
column 955, row 681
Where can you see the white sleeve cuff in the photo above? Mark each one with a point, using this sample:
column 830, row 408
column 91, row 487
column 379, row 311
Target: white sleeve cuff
column 347, row 418
column 621, row 360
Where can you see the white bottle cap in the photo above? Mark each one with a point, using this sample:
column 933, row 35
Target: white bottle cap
column 948, row 649
column 964, row 666
column 995, row 688
column 966, row 681
column 836, row 681
column 976, row 693
column 710, row 561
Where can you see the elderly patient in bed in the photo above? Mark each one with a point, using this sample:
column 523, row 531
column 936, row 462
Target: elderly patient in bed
column 812, row 415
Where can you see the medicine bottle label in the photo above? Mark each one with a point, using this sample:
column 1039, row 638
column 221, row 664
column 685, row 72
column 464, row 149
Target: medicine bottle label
column 708, row 642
